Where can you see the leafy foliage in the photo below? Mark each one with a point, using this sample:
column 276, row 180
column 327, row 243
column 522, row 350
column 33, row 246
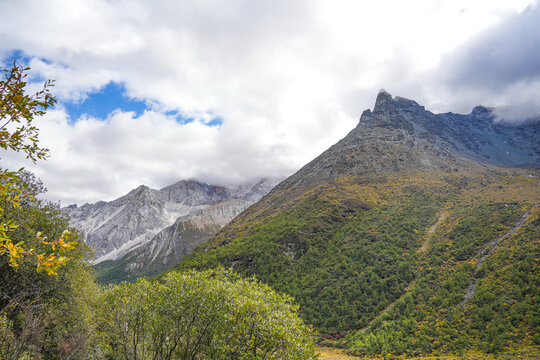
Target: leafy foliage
column 41, row 316
column 17, row 111
column 17, row 133
column 208, row 315
column 434, row 318
column 44, row 316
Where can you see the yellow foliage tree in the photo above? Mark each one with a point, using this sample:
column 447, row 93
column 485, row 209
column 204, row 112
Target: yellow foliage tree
column 17, row 133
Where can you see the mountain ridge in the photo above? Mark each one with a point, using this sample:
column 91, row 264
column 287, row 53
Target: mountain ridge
column 396, row 120
column 113, row 228
column 172, row 243
column 357, row 235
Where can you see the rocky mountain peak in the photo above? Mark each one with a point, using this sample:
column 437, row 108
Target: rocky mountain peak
column 113, row 228
column 389, row 112
column 384, row 102
column 401, row 135
column 482, row 110
column 139, row 190
column 191, row 192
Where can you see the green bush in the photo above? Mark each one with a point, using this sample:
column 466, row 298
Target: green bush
column 202, row 315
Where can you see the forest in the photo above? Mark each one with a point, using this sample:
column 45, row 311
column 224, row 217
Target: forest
column 372, row 273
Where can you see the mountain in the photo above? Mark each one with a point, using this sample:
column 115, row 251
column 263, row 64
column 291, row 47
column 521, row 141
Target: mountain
column 147, row 221
column 400, row 135
column 415, row 234
column 172, row 243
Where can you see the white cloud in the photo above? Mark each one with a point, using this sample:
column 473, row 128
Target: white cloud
column 288, row 77
column 124, row 151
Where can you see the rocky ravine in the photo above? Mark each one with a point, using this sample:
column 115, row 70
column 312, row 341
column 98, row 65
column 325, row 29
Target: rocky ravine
column 114, row 228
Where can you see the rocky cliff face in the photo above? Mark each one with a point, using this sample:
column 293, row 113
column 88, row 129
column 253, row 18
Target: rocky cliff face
column 113, row 228
column 400, row 135
column 166, row 248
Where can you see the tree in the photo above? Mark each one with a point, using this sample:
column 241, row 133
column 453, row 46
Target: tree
column 202, row 315
column 41, row 316
column 17, row 133
column 45, row 316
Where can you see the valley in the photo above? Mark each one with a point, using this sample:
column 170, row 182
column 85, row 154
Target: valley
column 210, row 180
column 414, row 235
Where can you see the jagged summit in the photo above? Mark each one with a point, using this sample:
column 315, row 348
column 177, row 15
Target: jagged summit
column 113, row 228
column 476, row 135
column 383, row 100
column 483, row 111
column 386, row 103
column 400, row 134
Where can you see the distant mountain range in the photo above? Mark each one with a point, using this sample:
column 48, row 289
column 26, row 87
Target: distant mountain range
column 415, row 234
column 147, row 231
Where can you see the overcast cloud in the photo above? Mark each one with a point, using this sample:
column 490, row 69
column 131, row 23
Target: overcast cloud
column 501, row 66
column 288, row 79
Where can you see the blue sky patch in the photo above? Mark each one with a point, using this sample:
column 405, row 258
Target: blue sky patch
column 21, row 59
column 215, row 121
column 16, row 55
column 178, row 117
column 112, row 97
column 102, row 103
column 99, row 104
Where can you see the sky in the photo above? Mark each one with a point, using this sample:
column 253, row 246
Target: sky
column 153, row 92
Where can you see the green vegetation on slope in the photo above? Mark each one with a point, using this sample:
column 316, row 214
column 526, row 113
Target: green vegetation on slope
column 433, row 316
column 349, row 250
column 341, row 255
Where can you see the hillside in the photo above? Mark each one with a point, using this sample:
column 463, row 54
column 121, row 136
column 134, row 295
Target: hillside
column 380, row 237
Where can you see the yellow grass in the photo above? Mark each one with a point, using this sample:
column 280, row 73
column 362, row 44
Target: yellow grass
column 528, row 353
column 334, row 354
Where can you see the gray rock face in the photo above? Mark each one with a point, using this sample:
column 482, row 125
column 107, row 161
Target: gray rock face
column 477, row 135
column 400, row 135
column 165, row 249
column 113, row 228
column 179, row 239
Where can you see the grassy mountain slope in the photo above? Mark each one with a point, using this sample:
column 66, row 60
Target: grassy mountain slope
column 435, row 315
column 380, row 238
column 347, row 250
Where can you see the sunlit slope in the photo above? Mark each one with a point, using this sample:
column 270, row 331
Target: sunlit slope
column 477, row 283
